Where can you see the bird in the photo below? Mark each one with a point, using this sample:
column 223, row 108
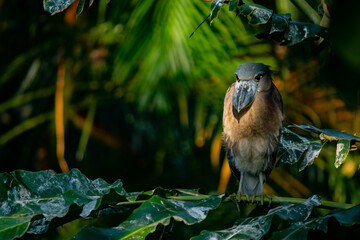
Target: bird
column 252, row 122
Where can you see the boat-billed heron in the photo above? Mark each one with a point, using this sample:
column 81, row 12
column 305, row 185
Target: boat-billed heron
column 252, row 121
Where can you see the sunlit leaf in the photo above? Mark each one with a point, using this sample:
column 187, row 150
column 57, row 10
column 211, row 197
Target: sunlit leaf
column 215, row 8
column 256, row 14
column 154, row 211
column 342, row 150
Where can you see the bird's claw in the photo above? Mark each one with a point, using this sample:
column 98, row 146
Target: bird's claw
column 240, row 195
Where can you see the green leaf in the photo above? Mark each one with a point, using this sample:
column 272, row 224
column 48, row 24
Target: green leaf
column 154, row 211
column 256, row 14
column 247, row 228
column 297, row 212
column 13, row 227
column 328, row 132
column 215, row 8
column 257, row 227
column 56, row 6
column 300, row 229
column 296, row 148
column 300, row 31
column 348, row 217
column 80, row 7
column 233, row 5
column 342, row 150
column 293, row 145
column 46, row 194
column 279, row 22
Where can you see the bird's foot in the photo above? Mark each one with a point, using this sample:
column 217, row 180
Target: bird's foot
column 261, row 196
column 239, row 196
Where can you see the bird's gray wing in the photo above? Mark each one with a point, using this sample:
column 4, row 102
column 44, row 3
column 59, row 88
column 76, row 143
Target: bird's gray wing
column 272, row 155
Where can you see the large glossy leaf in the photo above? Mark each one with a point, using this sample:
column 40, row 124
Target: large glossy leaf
column 150, row 214
column 47, row 195
column 294, row 148
column 300, row 31
column 300, row 229
column 257, row 227
column 303, row 149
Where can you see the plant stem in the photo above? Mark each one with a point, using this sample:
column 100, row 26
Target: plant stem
column 307, row 10
column 257, row 200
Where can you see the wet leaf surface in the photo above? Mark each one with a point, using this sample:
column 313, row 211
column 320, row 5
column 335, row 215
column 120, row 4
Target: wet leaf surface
column 153, row 212
column 300, row 31
column 47, row 194
column 256, row 14
column 303, row 149
column 257, row 227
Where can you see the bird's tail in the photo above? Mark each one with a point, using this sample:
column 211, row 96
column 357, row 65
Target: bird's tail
column 251, row 184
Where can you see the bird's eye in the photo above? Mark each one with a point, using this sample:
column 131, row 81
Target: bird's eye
column 258, row 77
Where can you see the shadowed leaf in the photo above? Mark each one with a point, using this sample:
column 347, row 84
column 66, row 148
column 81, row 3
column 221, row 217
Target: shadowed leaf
column 256, row 14
column 80, row 7
column 257, row 227
column 300, row 31
column 233, row 5
column 279, row 22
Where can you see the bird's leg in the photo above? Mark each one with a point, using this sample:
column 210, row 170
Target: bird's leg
column 261, row 195
column 262, row 188
column 240, row 190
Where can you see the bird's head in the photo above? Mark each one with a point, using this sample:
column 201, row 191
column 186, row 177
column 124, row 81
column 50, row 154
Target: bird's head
column 250, row 79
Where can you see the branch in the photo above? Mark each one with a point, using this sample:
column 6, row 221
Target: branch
column 307, row 10
column 257, row 200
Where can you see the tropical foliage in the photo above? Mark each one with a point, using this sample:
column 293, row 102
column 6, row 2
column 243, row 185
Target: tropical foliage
column 120, row 91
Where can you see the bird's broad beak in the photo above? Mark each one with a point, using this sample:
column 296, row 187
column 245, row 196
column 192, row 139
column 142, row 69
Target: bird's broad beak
column 244, row 94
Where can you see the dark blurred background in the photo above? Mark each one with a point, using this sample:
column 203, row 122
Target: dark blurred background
column 121, row 92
